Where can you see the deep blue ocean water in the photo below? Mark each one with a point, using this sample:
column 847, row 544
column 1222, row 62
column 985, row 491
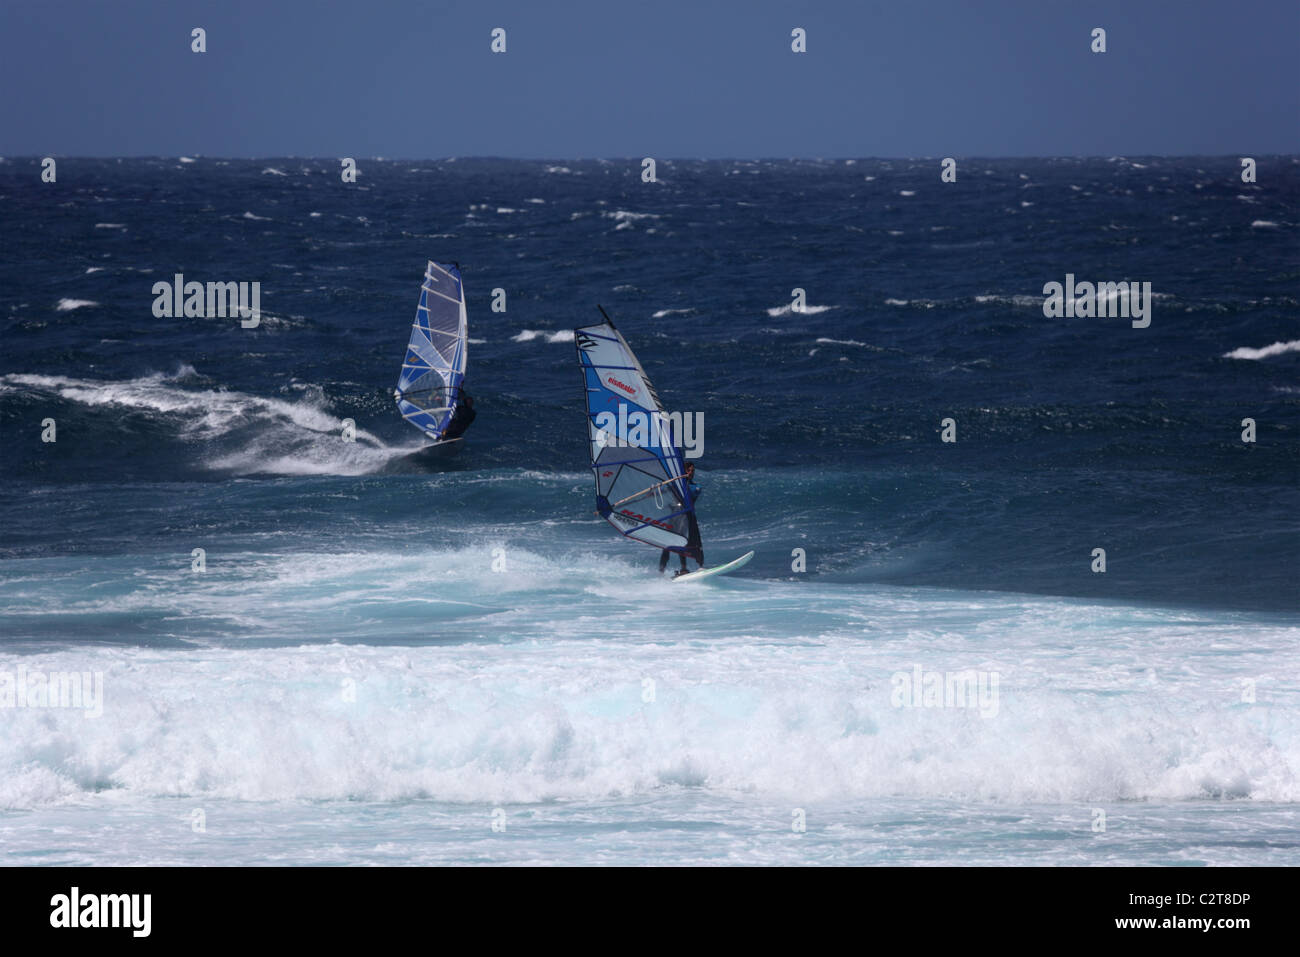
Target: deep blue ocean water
column 494, row 637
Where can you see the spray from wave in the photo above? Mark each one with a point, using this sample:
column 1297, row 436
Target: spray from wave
column 244, row 434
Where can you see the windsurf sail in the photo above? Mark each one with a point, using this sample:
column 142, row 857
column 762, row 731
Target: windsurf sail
column 634, row 455
column 429, row 387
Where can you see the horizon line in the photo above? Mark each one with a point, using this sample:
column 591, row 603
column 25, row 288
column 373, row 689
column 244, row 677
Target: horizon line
column 4, row 158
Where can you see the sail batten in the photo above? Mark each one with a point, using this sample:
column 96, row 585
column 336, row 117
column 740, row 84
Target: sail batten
column 429, row 385
column 638, row 471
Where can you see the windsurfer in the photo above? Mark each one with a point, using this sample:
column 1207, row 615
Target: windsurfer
column 694, row 547
column 461, row 417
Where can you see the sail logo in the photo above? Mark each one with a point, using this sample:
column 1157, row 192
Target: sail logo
column 621, row 385
column 214, row 300
column 1105, row 300
column 53, row 689
column 646, row 519
column 132, row 911
column 636, row 428
column 919, row 688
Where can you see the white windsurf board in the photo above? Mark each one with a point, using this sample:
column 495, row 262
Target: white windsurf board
column 731, row 566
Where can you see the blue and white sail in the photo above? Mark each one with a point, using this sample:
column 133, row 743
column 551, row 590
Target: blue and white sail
column 429, row 387
column 634, row 453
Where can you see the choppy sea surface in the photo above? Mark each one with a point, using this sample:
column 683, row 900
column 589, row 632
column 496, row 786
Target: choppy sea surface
column 396, row 657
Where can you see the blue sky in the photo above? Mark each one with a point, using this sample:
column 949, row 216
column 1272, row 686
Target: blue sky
column 707, row 78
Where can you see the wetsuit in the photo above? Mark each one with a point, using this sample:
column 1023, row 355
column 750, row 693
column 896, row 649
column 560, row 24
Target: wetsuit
column 461, row 418
column 694, row 547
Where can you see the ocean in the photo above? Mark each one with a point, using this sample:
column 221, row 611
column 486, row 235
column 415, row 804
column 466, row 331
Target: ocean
column 383, row 655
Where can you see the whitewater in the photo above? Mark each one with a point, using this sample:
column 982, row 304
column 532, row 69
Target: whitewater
column 601, row 720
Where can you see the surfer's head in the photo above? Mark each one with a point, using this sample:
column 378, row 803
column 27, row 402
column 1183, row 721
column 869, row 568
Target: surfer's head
column 690, row 470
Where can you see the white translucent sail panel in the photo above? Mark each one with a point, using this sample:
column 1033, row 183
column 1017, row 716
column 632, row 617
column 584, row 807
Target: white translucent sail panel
column 429, row 386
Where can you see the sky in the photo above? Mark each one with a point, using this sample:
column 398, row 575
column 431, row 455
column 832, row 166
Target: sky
column 403, row 79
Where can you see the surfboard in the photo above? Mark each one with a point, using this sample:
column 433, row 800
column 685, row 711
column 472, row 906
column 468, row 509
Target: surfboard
column 731, row 566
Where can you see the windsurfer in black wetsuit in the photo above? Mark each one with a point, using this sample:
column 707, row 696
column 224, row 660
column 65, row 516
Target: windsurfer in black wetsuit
column 694, row 548
column 461, row 417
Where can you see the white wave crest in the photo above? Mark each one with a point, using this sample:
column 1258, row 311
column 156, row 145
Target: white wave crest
column 528, row 335
column 788, row 309
column 1276, row 349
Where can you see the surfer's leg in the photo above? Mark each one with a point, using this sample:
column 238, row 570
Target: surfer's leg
column 693, row 543
column 663, row 561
